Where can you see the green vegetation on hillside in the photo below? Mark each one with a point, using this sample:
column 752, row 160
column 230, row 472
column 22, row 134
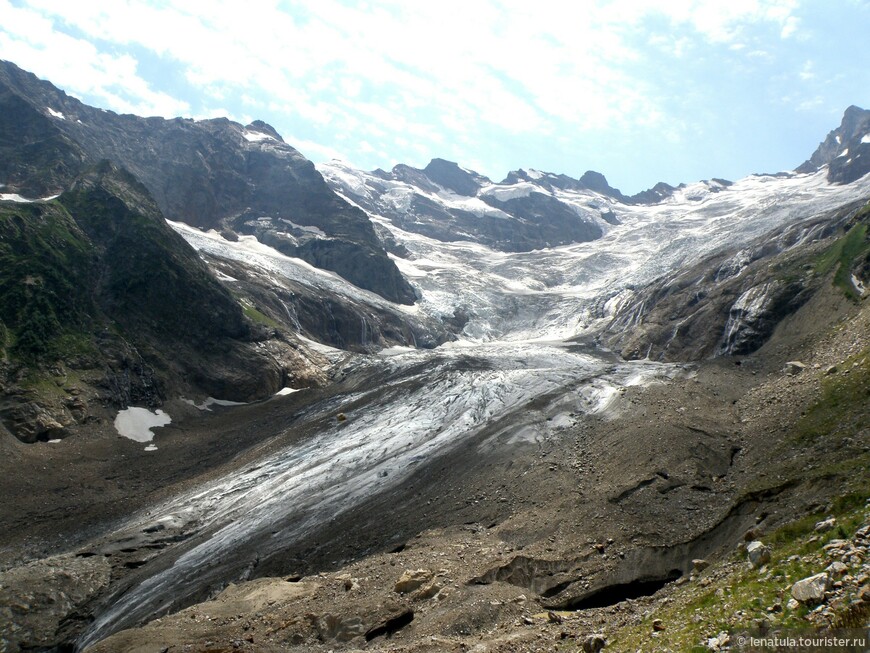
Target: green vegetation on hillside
column 843, row 254
column 47, row 268
column 733, row 596
column 843, row 405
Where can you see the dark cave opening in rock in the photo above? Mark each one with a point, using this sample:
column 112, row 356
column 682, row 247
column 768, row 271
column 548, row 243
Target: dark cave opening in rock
column 613, row 594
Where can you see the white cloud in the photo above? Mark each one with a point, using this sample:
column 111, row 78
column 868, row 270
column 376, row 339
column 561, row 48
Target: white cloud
column 789, row 27
column 78, row 66
column 432, row 73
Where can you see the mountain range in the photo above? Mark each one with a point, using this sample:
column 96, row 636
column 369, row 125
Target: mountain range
column 581, row 391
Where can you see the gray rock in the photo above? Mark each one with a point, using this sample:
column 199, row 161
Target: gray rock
column 758, row 553
column 794, row 368
column 825, row 525
column 699, row 565
column 837, row 569
column 811, row 589
column 594, row 643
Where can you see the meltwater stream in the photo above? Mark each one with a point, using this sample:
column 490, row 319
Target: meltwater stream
column 422, row 404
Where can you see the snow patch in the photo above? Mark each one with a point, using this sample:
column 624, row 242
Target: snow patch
column 317, row 231
column 136, row 423
column 286, row 391
column 15, row 197
column 505, row 193
column 256, row 137
column 843, row 153
column 211, row 401
column 151, row 447
column 865, row 138
column 859, row 286
column 224, row 277
column 56, row 114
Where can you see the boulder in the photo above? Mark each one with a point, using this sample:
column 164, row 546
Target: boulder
column 699, row 565
column 427, row 591
column 758, row 553
column 719, row 642
column 837, row 569
column 825, row 525
column 812, row 589
column 594, row 643
column 412, row 580
column 794, row 368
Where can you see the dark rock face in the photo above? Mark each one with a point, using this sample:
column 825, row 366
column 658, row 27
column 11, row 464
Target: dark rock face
column 590, row 180
column 103, row 305
column 846, row 150
column 145, row 263
column 432, row 208
column 727, row 304
column 654, row 195
column 210, row 173
column 597, row 182
column 35, row 158
column 326, row 317
column 451, row 176
column 554, row 223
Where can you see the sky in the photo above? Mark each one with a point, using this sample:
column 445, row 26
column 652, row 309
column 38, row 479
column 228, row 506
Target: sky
column 674, row 91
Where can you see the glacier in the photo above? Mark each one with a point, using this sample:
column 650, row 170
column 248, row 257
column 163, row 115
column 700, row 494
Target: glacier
column 516, row 364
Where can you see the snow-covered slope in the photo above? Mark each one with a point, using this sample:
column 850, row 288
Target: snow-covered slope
column 568, row 290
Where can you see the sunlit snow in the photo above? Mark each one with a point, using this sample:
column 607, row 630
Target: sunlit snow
column 256, row 137
column 15, row 197
column 136, row 423
column 56, row 114
column 211, row 401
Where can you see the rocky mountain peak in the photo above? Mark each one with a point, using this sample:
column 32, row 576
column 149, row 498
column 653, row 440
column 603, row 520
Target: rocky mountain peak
column 264, row 128
column 198, row 172
column 598, row 182
column 452, row 177
column 846, row 149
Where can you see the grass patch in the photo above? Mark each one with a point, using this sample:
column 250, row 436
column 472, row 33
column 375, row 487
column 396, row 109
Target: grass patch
column 841, row 255
column 737, row 596
column 46, row 386
column 258, row 317
column 843, row 405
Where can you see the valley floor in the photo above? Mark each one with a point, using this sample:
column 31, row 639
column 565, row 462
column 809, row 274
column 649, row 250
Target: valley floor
column 501, row 543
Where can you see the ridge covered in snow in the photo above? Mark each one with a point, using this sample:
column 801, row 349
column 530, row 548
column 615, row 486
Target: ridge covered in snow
column 561, row 291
